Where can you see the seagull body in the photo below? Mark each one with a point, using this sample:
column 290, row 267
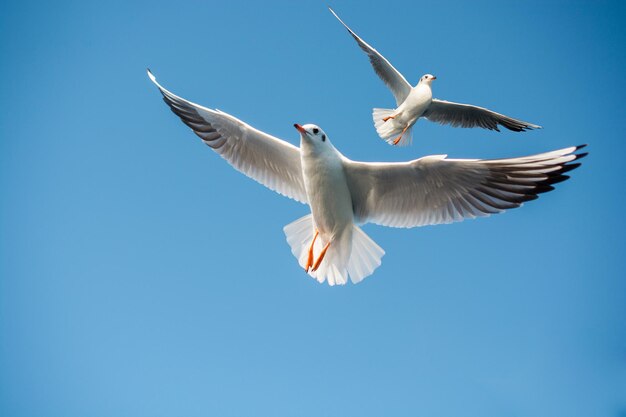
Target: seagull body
column 398, row 122
column 342, row 193
column 395, row 125
column 328, row 195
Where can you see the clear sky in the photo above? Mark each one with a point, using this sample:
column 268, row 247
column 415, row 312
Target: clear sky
column 140, row 275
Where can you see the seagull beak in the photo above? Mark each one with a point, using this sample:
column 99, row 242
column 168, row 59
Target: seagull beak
column 434, row 78
column 300, row 128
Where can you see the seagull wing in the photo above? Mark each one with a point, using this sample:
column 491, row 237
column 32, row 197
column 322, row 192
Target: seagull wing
column 466, row 115
column 262, row 157
column 436, row 190
column 390, row 76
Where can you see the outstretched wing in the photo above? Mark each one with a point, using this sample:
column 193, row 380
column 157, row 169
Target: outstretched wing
column 390, row 76
column 262, row 157
column 435, row 190
column 466, row 115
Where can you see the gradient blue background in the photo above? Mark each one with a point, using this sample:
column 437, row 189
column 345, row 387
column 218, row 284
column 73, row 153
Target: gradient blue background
column 140, row 275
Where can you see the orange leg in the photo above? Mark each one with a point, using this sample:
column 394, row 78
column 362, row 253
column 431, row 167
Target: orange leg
column 319, row 259
column 395, row 142
column 309, row 262
column 389, row 117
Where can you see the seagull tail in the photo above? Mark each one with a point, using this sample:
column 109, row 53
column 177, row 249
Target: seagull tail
column 390, row 130
column 353, row 255
column 365, row 256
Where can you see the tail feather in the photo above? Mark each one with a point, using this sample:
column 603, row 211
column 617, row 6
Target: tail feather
column 299, row 235
column 385, row 129
column 390, row 129
column 358, row 259
column 365, row 257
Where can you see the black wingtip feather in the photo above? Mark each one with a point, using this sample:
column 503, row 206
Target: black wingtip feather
column 531, row 197
column 499, row 179
column 557, row 179
column 543, row 188
column 569, row 167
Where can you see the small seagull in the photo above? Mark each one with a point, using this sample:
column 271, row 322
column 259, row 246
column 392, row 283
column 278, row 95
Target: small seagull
column 395, row 125
column 342, row 194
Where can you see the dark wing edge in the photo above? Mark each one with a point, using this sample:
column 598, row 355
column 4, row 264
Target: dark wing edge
column 515, row 181
column 189, row 115
column 247, row 149
column 435, row 190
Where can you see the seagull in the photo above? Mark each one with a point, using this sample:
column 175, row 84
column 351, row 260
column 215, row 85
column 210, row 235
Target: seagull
column 395, row 125
column 343, row 194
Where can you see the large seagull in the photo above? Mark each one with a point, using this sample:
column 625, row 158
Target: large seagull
column 395, row 125
column 343, row 193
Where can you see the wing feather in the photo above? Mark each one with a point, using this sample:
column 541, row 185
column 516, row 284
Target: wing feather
column 467, row 115
column 435, row 190
column 262, row 157
column 396, row 82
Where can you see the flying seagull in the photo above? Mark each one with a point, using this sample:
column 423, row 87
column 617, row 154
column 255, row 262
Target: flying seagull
column 342, row 193
column 395, row 125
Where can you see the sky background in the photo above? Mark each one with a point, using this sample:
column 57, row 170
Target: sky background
column 140, row 275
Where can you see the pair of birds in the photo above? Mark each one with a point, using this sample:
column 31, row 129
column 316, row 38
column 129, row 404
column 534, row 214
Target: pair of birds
column 342, row 193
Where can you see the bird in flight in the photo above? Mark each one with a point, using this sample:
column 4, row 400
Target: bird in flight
column 343, row 194
column 395, row 125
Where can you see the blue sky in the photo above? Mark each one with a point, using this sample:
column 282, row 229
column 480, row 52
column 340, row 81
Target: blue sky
column 140, row 275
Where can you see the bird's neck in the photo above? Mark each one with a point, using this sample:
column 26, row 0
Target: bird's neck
column 312, row 154
column 421, row 93
column 423, row 86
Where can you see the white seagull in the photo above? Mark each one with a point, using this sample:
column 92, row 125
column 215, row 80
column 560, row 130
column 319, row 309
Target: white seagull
column 395, row 125
column 343, row 193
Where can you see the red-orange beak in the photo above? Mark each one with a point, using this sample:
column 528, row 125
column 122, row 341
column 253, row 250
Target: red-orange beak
column 300, row 128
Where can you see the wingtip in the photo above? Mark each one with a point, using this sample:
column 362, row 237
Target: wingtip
column 338, row 18
column 580, row 155
column 570, row 167
column 529, row 127
column 151, row 75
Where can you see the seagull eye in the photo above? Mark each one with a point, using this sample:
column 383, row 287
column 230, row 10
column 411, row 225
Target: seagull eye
column 323, row 138
column 316, row 131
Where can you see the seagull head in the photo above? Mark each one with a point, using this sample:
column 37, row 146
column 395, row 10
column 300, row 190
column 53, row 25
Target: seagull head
column 313, row 136
column 427, row 79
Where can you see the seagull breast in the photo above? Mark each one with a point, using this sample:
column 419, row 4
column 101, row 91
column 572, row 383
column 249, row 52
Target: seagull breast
column 416, row 103
column 327, row 190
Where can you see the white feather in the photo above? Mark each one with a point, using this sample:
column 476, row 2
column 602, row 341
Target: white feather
column 340, row 192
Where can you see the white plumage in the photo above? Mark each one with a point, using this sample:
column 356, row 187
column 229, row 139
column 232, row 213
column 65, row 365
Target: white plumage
column 394, row 125
column 343, row 193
